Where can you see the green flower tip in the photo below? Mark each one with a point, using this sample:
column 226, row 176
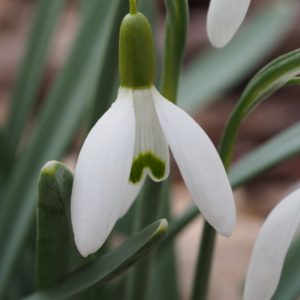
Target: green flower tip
column 136, row 52
column 150, row 161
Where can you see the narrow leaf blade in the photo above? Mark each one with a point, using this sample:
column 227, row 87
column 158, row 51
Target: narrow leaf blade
column 107, row 266
column 56, row 253
column 280, row 148
column 30, row 76
column 72, row 93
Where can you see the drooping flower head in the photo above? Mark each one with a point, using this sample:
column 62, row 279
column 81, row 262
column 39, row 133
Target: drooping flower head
column 131, row 141
column 224, row 19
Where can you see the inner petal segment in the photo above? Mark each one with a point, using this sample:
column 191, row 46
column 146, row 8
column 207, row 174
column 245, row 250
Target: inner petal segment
column 151, row 153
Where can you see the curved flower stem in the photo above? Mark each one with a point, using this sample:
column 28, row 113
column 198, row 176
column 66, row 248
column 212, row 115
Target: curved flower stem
column 132, row 7
column 175, row 39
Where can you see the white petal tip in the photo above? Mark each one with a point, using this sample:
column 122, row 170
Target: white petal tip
column 224, row 19
column 87, row 246
column 217, row 43
column 227, row 226
column 227, row 231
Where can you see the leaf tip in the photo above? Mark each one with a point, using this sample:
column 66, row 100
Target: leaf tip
column 162, row 227
column 50, row 167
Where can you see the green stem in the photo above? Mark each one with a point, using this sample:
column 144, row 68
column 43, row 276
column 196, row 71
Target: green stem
column 206, row 251
column 133, row 7
column 175, row 39
column 146, row 210
column 203, row 267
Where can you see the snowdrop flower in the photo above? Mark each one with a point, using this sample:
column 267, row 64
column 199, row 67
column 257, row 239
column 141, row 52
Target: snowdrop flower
column 131, row 141
column 224, row 19
column 271, row 248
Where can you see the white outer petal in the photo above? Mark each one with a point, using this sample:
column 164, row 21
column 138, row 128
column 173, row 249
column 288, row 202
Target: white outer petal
column 200, row 165
column 224, row 19
column 271, row 248
column 101, row 175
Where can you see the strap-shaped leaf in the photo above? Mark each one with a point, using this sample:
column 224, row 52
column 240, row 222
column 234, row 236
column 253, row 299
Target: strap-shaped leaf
column 56, row 253
column 214, row 72
column 30, row 76
column 73, row 91
column 84, row 7
column 108, row 266
column 6, row 157
column 266, row 82
column 280, row 148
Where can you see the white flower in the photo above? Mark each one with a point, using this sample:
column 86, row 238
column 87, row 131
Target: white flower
column 224, row 19
column 271, row 248
column 131, row 141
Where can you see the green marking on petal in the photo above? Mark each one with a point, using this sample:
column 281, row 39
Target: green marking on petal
column 147, row 160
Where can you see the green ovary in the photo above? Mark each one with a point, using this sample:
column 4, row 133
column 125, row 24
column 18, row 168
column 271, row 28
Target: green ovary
column 147, row 160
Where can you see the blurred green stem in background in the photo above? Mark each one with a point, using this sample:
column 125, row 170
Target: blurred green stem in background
column 25, row 92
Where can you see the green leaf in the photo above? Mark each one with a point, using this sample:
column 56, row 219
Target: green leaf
column 6, row 156
column 74, row 89
column 217, row 70
column 294, row 82
column 164, row 265
column 84, row 6
column 279, row 149
column 29, row 79
column 289, row 285
column 266, row 82
column 108, row 266
column 56, row 253
column 177, row 225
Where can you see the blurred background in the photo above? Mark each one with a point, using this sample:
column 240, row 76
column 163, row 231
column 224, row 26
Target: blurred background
column 272, row 33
